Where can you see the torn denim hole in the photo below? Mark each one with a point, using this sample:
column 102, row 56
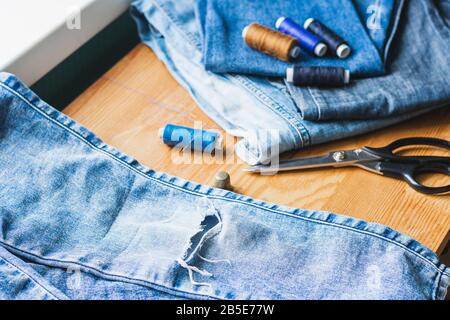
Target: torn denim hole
column 210, row 227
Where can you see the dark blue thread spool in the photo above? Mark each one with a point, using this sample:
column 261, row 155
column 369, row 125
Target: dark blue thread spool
column 190, row 139
column 334, row 42
column 306, row 39
column 318, row 76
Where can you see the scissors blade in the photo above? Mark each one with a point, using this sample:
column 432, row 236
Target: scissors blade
column 372, row 166
column 333, row 159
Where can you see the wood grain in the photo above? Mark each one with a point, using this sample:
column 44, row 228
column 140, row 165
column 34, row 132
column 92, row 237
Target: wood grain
column 128, row 105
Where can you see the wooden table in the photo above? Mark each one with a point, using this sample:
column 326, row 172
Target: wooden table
column 128, row 105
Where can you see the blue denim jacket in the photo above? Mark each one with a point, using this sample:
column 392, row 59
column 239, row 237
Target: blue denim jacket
column 81, row 220
column 366, row 25
column 249, row 107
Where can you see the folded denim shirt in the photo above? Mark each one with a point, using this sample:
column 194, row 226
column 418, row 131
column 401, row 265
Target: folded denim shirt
column 250, row 107
column 366, row 25
column 81, row 220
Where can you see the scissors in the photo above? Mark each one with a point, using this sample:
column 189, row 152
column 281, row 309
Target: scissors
column 383, row 161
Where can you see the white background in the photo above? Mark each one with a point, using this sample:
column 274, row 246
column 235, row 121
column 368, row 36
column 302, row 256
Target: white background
column 34, row 36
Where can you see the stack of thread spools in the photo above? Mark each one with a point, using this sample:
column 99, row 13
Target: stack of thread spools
column 286, row 43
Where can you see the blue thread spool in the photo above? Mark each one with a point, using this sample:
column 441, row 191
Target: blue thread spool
column 335, row 42
column 306, row 39
column 190, row 139
column 318, row 76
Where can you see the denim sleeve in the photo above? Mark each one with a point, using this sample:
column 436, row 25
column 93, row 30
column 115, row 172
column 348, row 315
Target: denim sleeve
column 73, row 206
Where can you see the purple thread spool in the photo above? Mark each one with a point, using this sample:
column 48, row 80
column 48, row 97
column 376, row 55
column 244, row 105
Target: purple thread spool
column 318, row 76
column 334, row 41
column 306, row 39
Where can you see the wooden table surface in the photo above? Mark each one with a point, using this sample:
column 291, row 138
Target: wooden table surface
column 128, row 105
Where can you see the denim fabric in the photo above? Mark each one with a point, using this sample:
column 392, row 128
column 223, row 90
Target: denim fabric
column 380, row 20
column 224, row 50
column 418, row 74
column 19, row 281
column 249, row 107
column 81, row 220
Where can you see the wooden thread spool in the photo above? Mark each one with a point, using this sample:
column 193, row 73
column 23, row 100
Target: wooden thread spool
column 271, row 42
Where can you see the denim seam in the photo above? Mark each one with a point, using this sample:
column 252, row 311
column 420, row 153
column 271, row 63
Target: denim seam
column 316, row 102
column 31, row 277
column 441, row 287
column 146, row 283
column 406, row 93
column 303, row 133
column 393, row 31
column 126, row 279
column 344, row 100
column 444, row 285
column 190, row 37
column 246, row 83
column 293, row 214
column 437, row 285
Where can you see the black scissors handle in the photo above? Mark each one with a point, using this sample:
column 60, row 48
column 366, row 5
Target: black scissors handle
column 388, row 152
column 410, row 172
column 409, row 168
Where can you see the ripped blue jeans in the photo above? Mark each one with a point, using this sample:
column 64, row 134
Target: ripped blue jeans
column 81, row 220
